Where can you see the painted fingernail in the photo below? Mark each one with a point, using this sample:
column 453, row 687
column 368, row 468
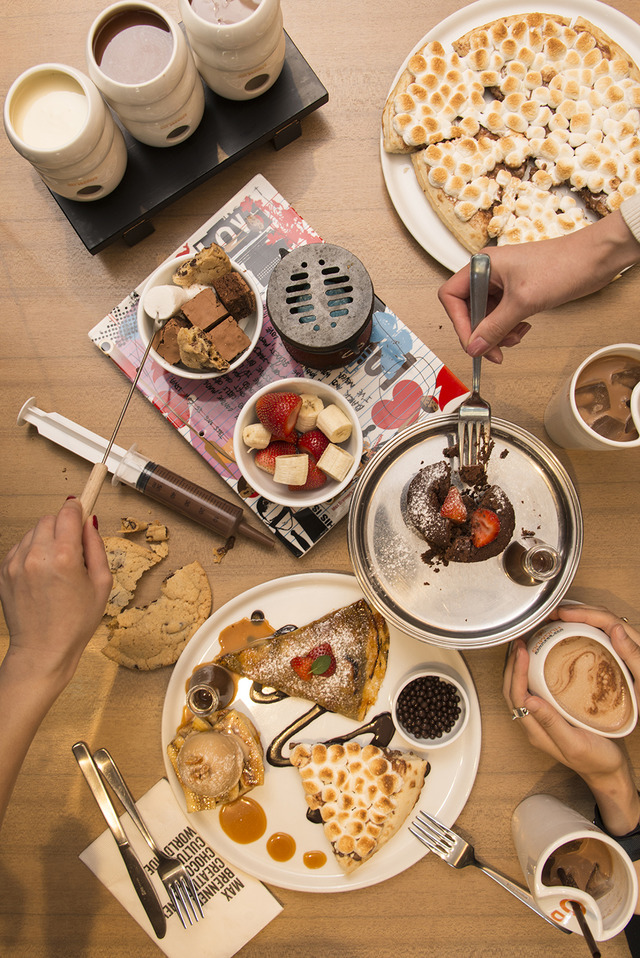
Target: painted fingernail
column 70, row 497
column 94, row 519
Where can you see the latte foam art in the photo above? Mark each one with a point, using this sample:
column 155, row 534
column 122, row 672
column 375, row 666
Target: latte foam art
column 587, row 682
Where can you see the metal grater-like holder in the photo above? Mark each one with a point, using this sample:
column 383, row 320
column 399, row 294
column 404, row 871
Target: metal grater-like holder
column 320, row 301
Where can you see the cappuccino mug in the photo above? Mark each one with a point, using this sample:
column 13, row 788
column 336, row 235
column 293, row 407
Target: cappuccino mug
column 549, row 836
column 575, row 668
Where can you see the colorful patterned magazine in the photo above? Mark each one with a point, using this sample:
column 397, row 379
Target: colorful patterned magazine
column 394, row 382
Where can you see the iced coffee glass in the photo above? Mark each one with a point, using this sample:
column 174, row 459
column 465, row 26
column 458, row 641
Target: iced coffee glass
column 592, row 408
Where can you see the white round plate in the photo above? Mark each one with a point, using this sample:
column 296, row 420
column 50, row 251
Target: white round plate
column 299, row 599
column 411, row 204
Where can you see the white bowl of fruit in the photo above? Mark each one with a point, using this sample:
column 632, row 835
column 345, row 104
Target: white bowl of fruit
column 297, row 442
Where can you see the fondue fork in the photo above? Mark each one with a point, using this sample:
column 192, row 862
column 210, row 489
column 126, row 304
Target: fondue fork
column 474, row 414
column 458, row 853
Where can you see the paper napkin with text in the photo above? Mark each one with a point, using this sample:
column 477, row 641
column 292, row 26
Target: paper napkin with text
column 236, row 906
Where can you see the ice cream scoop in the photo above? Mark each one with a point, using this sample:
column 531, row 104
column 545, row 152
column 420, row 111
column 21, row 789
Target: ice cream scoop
column 210, row 763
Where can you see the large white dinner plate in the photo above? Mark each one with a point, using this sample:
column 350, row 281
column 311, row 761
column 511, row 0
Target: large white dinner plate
column 299, row 599
column 412, row 206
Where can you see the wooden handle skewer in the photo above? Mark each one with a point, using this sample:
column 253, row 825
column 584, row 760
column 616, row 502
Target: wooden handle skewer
column 99, row 472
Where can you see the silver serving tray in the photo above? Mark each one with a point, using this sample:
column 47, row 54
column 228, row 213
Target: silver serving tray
column 470, row 605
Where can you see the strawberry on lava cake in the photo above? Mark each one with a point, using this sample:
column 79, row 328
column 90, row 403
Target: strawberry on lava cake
column 461, row 525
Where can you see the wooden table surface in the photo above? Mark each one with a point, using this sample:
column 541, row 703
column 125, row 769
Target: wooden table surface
column 53, row 291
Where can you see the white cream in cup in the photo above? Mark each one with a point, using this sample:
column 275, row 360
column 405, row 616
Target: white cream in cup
column 542, row 827
column 585, row 699
column 55, row 117
column 140, row 61
column 241, row 58
column 562, row 419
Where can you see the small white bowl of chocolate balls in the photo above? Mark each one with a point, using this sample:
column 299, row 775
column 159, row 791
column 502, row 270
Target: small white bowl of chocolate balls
column 211, row 310
column 430, row 707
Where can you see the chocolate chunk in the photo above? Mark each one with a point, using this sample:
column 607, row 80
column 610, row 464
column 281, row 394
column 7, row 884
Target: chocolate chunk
column 165, row 342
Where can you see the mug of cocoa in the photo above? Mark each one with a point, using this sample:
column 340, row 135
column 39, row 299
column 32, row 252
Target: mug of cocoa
column 140, row 61
column 565, row 858
column 592, row 409
column 575, row 668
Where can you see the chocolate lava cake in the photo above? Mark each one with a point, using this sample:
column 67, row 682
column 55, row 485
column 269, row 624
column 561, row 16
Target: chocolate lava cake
column 461, row 525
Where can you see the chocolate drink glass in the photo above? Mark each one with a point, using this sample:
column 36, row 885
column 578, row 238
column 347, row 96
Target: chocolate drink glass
column 592, row 409
column 141, row 63
column 574, row 667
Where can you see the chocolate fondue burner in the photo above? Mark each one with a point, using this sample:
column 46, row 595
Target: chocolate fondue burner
column 320, row 301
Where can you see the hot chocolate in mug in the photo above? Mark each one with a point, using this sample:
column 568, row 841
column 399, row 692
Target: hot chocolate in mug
column 550, row 838
column 575, row 668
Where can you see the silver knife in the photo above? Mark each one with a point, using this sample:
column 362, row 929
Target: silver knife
column 144, row 889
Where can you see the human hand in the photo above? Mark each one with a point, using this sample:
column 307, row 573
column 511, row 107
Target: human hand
column 54, row 586
column 530, row 277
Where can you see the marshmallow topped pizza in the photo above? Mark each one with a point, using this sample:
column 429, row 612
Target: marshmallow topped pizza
column 519, row 128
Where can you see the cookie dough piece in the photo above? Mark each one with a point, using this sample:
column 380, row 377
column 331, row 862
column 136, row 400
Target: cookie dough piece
column 154, row 636
column 129, row 525
column 156, row 532
column 128, row 561
column 205, row 267
column 197, row 352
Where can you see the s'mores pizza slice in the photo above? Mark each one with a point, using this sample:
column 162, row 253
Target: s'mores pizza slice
column 364, row 794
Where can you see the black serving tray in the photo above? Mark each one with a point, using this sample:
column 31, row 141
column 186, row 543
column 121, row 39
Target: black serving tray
column 156, row 177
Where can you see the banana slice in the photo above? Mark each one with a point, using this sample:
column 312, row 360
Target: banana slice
column 334, row 423
column 335, row 461
column 291, row 470
column 311, row 406
column 256, row 436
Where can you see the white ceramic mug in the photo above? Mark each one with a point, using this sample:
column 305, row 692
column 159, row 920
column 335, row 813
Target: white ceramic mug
column 140, row 61
column 540, row 826
column 562, row 419
column 239, row 60
column 55, row 117
column 548, row 637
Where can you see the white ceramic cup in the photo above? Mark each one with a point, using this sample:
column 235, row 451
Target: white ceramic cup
column 540, row 825
column 547, row 637
column 157, row 93
column 55, row 117
column 562, row 419
column 238, row 60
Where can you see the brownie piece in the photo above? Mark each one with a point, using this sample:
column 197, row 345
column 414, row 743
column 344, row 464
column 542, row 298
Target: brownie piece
column 236, row 295
column 165, row 341
column 205, row 310
column 229, row 339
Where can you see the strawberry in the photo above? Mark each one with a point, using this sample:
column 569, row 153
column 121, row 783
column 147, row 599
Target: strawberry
column 301, row 665
column 316, row 478
column 278, row 413
column 313, row 443
column 266, row 458
column 318, row 654
column 320, row 661
column 485, row 526
column 453, row 507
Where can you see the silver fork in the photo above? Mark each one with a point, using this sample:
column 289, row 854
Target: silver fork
column 458, row 853
column 474, row 414
column 172, row 873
